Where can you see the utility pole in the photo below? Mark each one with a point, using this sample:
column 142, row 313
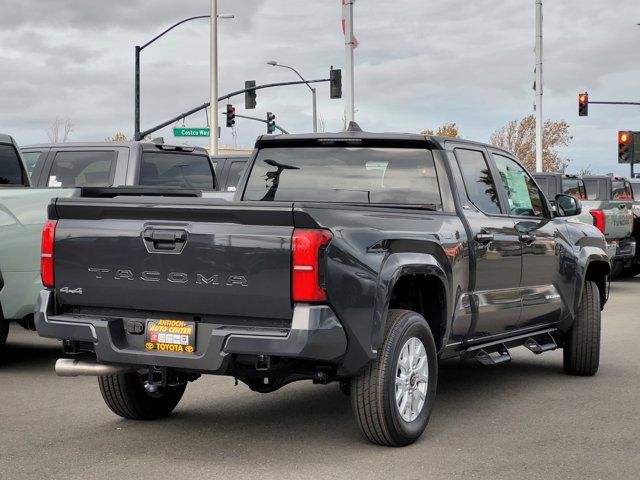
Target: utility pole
column 349, row 43
column 538, row 104
column 214, row 78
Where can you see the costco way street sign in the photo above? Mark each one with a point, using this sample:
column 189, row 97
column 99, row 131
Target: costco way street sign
column 191, row 132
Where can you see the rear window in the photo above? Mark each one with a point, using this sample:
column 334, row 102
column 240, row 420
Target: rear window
column 348, row 175
column 82, row 169
column 31, row 161
column 574, row 187
column 621, row 190
column 176, row 170
column 11, row 172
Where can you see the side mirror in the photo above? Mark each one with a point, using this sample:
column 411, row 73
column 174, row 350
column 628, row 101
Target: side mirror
column 567, row 206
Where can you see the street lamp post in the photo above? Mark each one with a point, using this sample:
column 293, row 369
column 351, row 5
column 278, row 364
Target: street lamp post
column 273, row 63
column 139, row 49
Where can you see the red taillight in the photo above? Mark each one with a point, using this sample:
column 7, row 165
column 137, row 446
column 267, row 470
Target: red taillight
column 305, row 279
column 598, row 219
column 46, row 253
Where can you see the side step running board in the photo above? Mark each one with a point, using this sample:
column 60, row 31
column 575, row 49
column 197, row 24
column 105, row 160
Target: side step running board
column 541, row 343
column 496, row 357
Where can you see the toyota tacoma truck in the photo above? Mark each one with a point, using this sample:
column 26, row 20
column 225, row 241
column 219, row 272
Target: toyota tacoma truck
column 604, row 206
column 355, row 257
column 29, row 181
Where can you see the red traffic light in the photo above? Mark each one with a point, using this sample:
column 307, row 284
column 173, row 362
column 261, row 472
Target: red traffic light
column 583, row 104
column 623, row 137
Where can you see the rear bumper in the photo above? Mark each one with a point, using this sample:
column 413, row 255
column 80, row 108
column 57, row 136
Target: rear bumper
column 625, row 249
column 315, row 334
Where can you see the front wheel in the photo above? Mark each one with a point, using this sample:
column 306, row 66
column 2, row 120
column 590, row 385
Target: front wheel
column 129, row 396
column 582, row 346
column 393, row 396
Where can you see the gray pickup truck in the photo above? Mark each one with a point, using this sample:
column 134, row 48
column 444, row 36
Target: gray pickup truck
column 353, row 257
column 229, row 170
column 620, row 189
column 59, row 170
column 603, row 207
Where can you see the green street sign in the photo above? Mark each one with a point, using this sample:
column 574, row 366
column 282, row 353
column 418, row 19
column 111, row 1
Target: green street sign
column 191, row 132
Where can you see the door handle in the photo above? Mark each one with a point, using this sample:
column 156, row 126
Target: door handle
column 484, row 238
column 165, row 240
column 527, row 238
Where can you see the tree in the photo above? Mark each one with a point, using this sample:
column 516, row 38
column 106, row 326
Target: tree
column 519, row 137
column 586, row 171
column 118, row 137
column 59, row 130
column 449, row 129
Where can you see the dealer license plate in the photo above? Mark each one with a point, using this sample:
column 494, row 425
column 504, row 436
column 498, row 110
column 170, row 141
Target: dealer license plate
column 170, row 336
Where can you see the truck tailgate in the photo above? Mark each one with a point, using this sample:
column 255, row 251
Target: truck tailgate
column 189, row 256
column 618, row 220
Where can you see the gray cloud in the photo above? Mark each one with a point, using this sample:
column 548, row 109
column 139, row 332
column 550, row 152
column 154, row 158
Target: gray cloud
column 419, row 64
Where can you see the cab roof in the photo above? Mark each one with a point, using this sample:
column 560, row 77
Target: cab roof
column 355, row 137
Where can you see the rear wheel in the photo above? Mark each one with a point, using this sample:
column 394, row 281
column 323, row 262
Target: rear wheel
column 129, row 396
column 617, row 268
column 4, row 330
column 393, row 396
column 582, row 346
column 632, row 270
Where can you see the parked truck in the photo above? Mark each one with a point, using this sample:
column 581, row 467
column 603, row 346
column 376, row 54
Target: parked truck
column 354, row 257
column 611, row 213
column 619, row 189
column 229, row 170
column 62, row 170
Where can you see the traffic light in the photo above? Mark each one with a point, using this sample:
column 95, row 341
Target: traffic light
column 625, row 147
column 250, row 95
column 335, row 75
column 271, row 122
column 583, row 104
column 231, row 115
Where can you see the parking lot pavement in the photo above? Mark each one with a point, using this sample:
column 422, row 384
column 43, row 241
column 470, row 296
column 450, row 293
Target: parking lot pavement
column 523, row 418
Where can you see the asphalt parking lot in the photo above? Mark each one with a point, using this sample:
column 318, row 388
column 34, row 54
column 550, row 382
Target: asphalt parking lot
column 523, row 419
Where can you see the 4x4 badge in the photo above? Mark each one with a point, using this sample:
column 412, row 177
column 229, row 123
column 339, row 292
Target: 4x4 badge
column 71, row 291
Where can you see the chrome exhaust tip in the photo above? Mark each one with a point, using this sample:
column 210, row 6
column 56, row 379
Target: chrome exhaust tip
column 69, row 367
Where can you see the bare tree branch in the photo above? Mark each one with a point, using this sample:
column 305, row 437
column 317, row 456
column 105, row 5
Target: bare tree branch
column 59, row 131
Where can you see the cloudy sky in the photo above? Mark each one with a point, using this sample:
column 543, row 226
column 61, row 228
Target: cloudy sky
column 420, row 63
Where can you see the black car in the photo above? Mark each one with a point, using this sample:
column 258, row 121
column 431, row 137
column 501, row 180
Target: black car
column 355, row 257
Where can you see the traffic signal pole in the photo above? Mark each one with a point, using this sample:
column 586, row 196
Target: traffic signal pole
column 214, row 79
column 224, row 97
column 538, row 104
column 584, row 98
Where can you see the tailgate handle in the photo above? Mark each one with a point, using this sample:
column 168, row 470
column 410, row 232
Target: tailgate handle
column 165, row 240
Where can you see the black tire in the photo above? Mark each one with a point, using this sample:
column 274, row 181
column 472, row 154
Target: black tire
column 373, row 391
column 127, row 397
column 632, row 270
column 4, row 330
column 582, row 345
column 617, row 267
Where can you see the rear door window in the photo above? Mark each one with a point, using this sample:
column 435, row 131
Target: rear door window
column 11, row 171
column 82, row 169
column 235, row 172
column 399, row 176
column 478, row 180
column 177, row 170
